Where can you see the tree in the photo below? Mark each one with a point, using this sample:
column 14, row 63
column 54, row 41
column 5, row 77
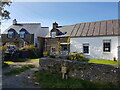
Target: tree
column 4, row 14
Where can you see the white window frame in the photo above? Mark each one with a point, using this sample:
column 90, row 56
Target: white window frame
column 51, row 49
column 86, row 44
column 53, row 34
column 107, row 40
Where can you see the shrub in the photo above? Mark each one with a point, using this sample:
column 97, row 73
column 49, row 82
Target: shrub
column 77, row 57
column 31, row 50
column 74, row 52
column 45, row 53
column 52, row 56
column 2, row 48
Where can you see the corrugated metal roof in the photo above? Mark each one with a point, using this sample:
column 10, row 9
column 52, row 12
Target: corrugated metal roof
column 99, row 28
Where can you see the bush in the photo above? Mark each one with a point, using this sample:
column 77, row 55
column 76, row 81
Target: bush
column 45, row 54
column 32, row 51
column 2, row 48
column 77, row 57
column 52, row 56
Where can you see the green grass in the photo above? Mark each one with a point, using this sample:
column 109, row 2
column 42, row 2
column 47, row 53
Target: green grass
column 19, row 70
column 33, row 60
column 53, row 80
column 107, row 62
column 22, row 60
column 9, row 62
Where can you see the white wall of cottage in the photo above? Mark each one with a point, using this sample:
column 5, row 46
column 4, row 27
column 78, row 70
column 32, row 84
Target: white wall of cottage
column 96, row 46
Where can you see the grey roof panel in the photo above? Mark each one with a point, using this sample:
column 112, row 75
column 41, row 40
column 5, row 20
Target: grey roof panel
column 103, row 29
column 115, row 26
column 75, row 30
column 67, row 29
column 79, row 32
column 85, row 30
column 91, row 29
column 109, row 27
column 96, row 30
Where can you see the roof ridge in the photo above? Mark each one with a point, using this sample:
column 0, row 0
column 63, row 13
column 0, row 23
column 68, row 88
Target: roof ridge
column 28, row 23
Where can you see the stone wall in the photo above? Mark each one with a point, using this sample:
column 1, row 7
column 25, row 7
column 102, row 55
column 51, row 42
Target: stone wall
column 29, row 38
column 83, row 70
column 53, row 42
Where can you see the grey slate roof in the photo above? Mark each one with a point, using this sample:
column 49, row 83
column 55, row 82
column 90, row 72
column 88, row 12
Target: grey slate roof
column 30, row 27
column 99, row 28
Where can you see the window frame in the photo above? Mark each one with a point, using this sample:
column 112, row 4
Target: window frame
column 52, row 50
column 107, row 40
column 63, row 48
column 10, row 35
column 86, row 44
column 53, row 36
column 22, row 34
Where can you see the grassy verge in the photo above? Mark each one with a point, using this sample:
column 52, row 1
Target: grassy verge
column 9, row 62
column 19, row 70
column 21, row 60
column 107, row 62
column 52, row 80
column 33, row 60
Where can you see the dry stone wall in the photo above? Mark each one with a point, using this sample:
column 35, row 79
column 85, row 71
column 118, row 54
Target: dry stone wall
column 83, row 70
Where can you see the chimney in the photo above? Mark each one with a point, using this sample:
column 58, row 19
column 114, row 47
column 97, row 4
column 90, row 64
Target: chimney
column 55, row 25
column 14, row 21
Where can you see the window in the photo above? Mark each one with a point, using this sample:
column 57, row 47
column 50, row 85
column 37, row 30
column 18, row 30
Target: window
column 53, row 34
column 52, row 49
column 86, row 48
column 22, row 34
column 64, row 48
column 10, row 34
column 106, row 45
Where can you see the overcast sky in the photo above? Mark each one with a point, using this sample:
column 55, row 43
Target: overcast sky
column 65, row 13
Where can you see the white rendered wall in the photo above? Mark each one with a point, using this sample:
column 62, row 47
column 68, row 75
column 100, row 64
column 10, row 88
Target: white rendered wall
column 96, row 46
column 118, row 40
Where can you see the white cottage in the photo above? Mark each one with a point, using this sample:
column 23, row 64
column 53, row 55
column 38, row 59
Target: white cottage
column 97, row 40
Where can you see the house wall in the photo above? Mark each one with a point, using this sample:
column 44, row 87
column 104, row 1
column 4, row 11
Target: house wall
column 16, row 39
column 53, row 42
column 118, row 40
column 41, row 45
column 96, row 46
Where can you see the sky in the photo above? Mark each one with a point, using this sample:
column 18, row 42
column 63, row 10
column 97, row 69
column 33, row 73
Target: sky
column 64, row 13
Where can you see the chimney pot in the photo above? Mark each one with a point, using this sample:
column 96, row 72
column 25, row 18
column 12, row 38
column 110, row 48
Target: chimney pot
column 14, row 21
column 55, row 25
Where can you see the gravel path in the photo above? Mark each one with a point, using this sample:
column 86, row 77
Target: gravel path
column 23, row 80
